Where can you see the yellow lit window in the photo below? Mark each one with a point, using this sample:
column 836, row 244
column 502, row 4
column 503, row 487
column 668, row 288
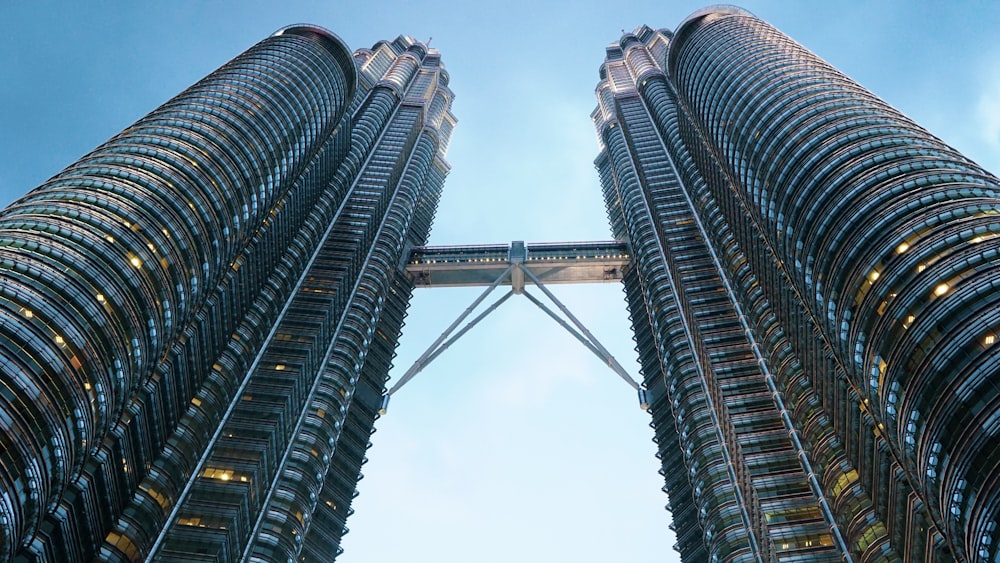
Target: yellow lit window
column 844, row 481
column 123, row 543
column 158, row 497
column 221, row 474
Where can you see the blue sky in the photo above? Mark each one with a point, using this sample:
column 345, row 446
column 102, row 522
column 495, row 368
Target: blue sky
column 515, row 444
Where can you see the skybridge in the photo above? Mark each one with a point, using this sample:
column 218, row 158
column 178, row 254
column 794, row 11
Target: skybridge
column 552, row 263
column 514, row 265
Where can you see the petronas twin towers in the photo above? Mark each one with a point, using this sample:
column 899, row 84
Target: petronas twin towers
column 199, row 316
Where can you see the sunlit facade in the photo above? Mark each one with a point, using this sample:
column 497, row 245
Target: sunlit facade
column 814, row 300
column 198, row 316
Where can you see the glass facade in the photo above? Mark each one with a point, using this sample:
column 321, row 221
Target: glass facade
column 813, row 300
column 197, row 318
column 199, row 315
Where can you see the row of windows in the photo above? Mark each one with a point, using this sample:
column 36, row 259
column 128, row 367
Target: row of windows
column 133, row 217
column 877, row 211
column 662, row 105
column 310, row 448
column 352, row 355
column 702, row 426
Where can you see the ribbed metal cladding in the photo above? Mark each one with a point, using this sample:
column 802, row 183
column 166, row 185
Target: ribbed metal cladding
column 654, row 284
column 267, row 459
column 849, row 254
column 743, row 494
column 883, row 240
column 106, row 265
column 425, row 181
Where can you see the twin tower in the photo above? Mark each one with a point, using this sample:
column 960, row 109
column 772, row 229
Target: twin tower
column 197, row 319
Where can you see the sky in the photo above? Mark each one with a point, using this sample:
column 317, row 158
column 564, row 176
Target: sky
column 516, row 444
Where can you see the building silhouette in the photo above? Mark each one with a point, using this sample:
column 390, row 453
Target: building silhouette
column 199, row 316
column 813, row 300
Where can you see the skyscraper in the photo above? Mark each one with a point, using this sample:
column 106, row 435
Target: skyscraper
column 201, row 311
column 199, row 315
column 814, row 301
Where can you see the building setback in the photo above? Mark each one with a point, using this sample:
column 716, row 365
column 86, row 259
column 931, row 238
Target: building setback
column 814, row 300
column 197, row 319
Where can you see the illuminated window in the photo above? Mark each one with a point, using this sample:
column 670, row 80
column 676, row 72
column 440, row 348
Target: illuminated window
column 222, row 474
column 844, row 481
